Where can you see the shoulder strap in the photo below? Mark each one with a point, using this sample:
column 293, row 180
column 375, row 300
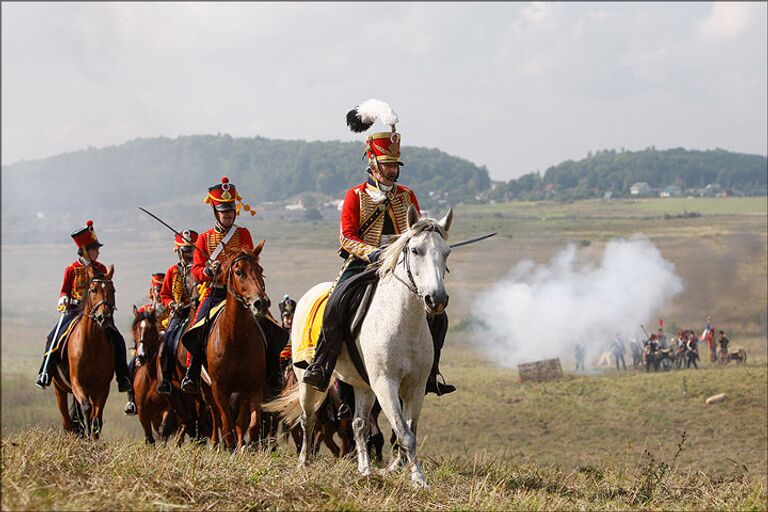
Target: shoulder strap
column 224, row 241
column 366, row 225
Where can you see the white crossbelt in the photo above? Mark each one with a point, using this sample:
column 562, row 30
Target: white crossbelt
column 224, row 241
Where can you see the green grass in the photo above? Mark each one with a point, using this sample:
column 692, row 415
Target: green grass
column 43, row 469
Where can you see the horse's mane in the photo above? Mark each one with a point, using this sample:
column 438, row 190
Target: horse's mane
column 392, row 252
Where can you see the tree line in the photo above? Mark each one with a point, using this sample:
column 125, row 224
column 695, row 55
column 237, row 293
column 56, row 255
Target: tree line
column 614, row 172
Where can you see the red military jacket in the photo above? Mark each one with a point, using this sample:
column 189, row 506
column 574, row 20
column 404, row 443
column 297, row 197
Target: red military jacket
column 359, row 203
column 207, row 243
column 174, row 288
column 76, row 278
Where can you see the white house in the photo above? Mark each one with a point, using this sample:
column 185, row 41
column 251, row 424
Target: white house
column 640, row 189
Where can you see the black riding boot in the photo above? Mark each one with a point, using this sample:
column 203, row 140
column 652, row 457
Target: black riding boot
column 166, row 366
column 318, row 373
column 121, row 366
column 164, row 387
column 130, row 405
column 191, row 382
column 438, row 328
column 277, row 337
column 45, row 375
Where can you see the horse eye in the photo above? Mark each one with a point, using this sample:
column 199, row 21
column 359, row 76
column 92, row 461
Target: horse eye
column 238, row 273
column 415, row 251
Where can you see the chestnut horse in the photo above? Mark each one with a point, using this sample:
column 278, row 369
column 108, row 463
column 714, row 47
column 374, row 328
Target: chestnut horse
column 90, row 357
column 192, row 413
column 236, row 353
column 328, row 422
column 154, row 410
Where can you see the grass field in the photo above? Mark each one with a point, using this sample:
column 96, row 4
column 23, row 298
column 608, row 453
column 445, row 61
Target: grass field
column 115, row 476
column 576, row 443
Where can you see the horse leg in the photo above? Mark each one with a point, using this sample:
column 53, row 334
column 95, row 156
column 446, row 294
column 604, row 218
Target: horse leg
column 296, row 434
column 85, row 407
column 256, row 417
column 98, row 414
column 309, row 398
column 376, row 440
column 61, row 401
column 364, row 399
column 413, row 401
column 327, row 433
column 387, row 393
column 221, row 400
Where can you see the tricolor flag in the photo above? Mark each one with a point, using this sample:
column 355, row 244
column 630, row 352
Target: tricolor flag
column 706, row 333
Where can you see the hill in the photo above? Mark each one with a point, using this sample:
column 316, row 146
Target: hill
column 616, row 171
column 153, row 170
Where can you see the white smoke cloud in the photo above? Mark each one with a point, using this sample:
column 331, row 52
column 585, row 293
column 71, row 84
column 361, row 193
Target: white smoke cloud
column 541, row 311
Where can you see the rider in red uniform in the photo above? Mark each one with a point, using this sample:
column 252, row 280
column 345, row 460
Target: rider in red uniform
column 176, row 296
column 373, row 212
column 215, row 249
column 71, row 297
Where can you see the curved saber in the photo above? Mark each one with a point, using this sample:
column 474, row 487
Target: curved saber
column 161, row 221
column 472, row 241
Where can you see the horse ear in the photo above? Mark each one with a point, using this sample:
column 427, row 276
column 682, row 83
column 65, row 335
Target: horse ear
column 110, row 272
column 257, row 250
column 135, row 310
column 446, row 221
column 413, row 216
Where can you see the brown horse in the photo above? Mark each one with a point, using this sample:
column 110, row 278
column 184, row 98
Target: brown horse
column 328, row 423
column 192, row 413
column 90, row 357
column 154, row 410
column 236, row 353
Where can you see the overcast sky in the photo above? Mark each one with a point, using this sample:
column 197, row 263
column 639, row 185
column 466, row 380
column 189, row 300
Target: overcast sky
column 516, row 87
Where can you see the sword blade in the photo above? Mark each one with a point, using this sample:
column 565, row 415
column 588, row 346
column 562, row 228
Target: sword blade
column 161, row 221
column 472, row 241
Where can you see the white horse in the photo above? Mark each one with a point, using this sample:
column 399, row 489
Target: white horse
column 394, row 343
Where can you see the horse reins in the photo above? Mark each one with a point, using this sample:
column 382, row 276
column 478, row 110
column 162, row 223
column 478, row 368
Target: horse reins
column 92, row 314
column 411, row 285
column 242, row 300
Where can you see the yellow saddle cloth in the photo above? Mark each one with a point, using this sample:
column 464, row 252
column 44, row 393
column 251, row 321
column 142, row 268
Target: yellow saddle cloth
column 311, row 324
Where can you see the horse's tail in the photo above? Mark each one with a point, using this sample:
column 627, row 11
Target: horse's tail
column 286, row 405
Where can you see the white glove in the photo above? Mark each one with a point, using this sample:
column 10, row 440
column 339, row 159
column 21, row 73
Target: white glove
column 63, row 303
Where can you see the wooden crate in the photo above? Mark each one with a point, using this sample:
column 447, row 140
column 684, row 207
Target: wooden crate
column 540, row 371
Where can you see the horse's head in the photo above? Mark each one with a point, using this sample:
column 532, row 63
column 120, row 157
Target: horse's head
column 100, row 296
column 245, row 280
column 419, row 259
column 146, row 339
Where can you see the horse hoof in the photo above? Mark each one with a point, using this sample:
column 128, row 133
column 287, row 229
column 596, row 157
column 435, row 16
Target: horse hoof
column 419, row 480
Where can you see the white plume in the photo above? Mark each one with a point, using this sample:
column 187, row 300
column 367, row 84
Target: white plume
column 373, row 109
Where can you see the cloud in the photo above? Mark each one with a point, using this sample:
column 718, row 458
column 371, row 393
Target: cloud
column 556, row 79
column 729, row 19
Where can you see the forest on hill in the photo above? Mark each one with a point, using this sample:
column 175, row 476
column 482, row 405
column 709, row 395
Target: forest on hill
column 154, row 170
column 163, row 170
column 688, row 172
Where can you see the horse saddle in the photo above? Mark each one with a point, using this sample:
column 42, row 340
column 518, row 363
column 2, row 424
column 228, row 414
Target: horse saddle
column 192, row 338
column 59, row 349
column 337, row 316
column 346, row 310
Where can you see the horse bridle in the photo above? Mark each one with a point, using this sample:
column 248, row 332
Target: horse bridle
column 411, row 284
column 91, row 307
column 242, row 300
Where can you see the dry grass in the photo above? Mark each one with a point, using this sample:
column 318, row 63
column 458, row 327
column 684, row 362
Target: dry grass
column 43, row 469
